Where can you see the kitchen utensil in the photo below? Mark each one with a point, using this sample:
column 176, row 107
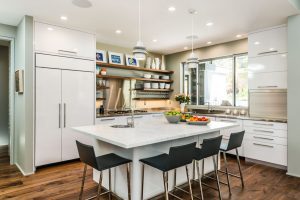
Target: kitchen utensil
column 173, row 119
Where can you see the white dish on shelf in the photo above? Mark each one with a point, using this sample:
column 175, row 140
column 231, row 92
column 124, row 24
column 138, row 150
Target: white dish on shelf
column 162, row 85
column 147, row 75
column 147, row 85
column 165, row 77
column 155, row 76
column 167, row 86
column 154, row 85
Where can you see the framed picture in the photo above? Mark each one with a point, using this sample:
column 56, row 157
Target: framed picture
column 116, row 58
column 131, row 61
column 101, row 56
column 19, row 81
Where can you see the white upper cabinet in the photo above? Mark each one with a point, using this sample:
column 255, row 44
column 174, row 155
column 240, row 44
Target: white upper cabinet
column 63, row 41
column 269, row 63
column 272, row 80
column 268, row 42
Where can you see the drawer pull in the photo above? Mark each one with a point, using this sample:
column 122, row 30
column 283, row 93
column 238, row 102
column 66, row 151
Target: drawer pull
column 227, row 120
column 264, row 138
column 262, row 124
column 66, row 51
column 110, row 119
column 268, row 86
column 267, row 52
column 263, row 145
column 135, row 117
column 263, row 131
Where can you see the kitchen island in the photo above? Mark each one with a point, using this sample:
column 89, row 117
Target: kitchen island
column 148, row 138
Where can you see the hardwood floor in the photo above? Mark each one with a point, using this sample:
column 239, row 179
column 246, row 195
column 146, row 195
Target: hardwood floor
column 63, row 182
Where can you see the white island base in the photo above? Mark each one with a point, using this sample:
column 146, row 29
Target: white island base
column 143, row 141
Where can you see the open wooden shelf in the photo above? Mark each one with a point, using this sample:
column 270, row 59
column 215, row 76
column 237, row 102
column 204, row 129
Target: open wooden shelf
column 133, row 78
column 153, row 99
column 102, row 88
column 99, row 99
column 133, row 68
column 154, row 90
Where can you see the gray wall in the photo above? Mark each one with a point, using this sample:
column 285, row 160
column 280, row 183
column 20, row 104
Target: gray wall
column 24, row 124
column 4, row 95
column 8, row 31
column 173, row 60
column 293, row 95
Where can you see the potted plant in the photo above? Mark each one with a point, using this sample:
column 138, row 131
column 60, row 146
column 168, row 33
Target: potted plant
column 183, row 100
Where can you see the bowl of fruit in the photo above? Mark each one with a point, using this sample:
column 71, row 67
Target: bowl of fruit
column 173, row 117
column 198, row 120
column 185, row 116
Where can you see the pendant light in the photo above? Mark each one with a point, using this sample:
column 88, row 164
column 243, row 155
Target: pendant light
column 192, row 61
column 139, row 50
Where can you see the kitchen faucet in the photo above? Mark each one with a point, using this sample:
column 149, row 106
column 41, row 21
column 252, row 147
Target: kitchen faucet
column 208, row 107
column 130, row 120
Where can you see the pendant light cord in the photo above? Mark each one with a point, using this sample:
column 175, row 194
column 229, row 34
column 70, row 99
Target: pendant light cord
column 193, row 33
column 140, row 34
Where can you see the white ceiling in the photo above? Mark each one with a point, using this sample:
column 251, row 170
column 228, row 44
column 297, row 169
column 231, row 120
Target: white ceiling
column 230, row 17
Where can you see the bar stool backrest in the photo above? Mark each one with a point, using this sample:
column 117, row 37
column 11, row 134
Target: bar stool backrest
column 181, row 155
column 87, row 154
column 211, row 146
column 235, row 140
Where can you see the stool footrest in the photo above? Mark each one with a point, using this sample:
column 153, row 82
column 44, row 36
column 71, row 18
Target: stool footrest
column 236, row 176
column 178, row 188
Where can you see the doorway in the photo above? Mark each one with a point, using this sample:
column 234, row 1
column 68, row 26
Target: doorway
column 7, row 98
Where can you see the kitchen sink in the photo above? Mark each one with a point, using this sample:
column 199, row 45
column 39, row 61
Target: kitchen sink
column 209, row 111
column 120, row 126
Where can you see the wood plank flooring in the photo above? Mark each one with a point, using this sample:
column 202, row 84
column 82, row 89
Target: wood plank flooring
column 63, row 182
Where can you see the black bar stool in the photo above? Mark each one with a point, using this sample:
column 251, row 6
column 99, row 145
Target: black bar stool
column 235, row 141
column 101, row 163
column 209, row 148
column 178, row 157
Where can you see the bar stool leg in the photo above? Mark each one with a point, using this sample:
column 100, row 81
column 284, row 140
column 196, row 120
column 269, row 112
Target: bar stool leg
column 189, row 181
column 99, row 186
column 226, row 170
column 217, row 176
column 82, row 184
column 175, row 174
column 165, row 186
column 239, row 163
column 128, row 181
column 202, row 167
column 109, row 183
column 143, row 176
column 199, row 178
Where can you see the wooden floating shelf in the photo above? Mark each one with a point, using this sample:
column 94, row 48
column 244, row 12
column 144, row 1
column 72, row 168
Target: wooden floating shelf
column 133, row 78
column 153, row 99
column 102, row 88
column 155, row 90
column 133, row 68
column 99, row 99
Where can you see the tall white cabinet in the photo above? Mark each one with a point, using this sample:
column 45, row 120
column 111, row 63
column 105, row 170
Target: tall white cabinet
column 65, row 96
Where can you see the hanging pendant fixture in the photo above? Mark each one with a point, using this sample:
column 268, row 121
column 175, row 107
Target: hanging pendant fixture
column 139, row 50
column 193, row 60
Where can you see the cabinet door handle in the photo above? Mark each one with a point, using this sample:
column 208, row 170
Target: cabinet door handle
column 109, row 119
column 263, row 145
column 65, row 115
column 262, row 124
column 135, row 117
column 59, row 115
column 61, row 51
column 268, row 86
column 264, row 138
column 263, row 131
column 267, row 52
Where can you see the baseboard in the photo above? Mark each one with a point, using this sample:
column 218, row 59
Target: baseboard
column 294, row 175
column 266, row 163
column 21, row 170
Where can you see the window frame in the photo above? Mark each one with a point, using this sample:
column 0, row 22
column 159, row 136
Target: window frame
column 210, row 60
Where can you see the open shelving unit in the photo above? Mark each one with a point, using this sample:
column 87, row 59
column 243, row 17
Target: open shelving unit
column 134, row 78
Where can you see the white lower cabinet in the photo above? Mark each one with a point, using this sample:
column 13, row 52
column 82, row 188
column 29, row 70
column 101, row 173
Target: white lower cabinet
column 64, row 99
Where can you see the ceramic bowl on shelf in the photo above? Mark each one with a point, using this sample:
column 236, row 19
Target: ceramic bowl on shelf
column 167, row 86
column 147, row 75
column 165, row 77
column 162, row 85
column 147, row 85
column 155, row 76
column 154, row 85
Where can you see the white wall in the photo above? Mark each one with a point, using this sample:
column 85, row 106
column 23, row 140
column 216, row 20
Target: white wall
column 4, row 95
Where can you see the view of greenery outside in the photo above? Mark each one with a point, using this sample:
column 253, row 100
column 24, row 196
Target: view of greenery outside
column 241, row 86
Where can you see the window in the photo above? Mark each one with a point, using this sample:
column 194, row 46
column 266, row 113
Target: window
column 220, row 81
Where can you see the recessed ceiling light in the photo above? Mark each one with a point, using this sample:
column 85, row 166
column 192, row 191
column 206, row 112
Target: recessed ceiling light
column 209, row 24
column 154, row 40
column 209, row 42
column 64, row 18
column 238, row 36
column 118, row 31
column 171, row 8
column 283, row 55
column 82, row 3
column 271, row 49
column 185, row 48
column 257, row 43
column 50, row 29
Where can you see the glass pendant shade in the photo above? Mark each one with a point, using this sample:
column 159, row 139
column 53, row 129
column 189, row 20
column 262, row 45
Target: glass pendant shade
column 139, row 51
column 192, row 61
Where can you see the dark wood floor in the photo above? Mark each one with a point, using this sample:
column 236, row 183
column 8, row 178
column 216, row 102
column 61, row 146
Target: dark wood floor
column 63, row 182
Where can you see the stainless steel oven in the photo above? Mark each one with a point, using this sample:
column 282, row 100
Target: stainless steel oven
column 270, row 104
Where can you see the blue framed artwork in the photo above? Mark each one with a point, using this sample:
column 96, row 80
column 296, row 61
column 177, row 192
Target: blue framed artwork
column 116, row 58
column 101, row 56
column 131, row 61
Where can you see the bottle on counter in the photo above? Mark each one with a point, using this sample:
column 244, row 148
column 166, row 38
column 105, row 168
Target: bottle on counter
column 101, row 110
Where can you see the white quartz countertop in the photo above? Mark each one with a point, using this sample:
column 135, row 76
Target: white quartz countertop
column 149, row 132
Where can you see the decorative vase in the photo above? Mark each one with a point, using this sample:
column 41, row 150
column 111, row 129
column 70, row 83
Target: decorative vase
column 163, row 63
column 182, row 106
column 148, row 63
column 153, row 66
column 157, row 63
